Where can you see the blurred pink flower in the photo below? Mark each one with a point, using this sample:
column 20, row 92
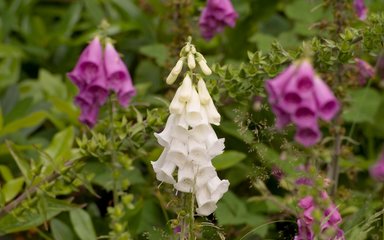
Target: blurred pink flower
column 215, row 16
column 365, row 70
column 377, row 170
column 360, row 9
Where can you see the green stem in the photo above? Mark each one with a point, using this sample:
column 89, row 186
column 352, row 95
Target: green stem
column 113, row 151
column 191, row 216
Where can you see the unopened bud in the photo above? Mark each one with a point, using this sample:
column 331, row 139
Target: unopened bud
column 193, row 49
column 191, row 61
column 186, row 89
column 204, row 67
column 175, row 72
column 203, row 92
column 171, row 78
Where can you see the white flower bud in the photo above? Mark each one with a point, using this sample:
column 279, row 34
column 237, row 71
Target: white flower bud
column 191, row 61
column 160, row 161
column 203, row 92
column 176, row 106
column 171, row 78
column 193, row 49
column 193, row 109
column 187, row 48
column 212, row 113
column 204, row 67
column 185, row 89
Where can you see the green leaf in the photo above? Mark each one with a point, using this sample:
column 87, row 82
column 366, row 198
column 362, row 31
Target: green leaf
column 52, row 84
column 31, row 120
column 30, row 218
column 11, row 188
column 21, row 162
column 228, row 159
column 364, row 104
column 1, row 119
column 61, row 144
column 157, row 51
column 231, row 210
column 61, row 231
column 82, row 223
column 5, row 173
column 94, row 10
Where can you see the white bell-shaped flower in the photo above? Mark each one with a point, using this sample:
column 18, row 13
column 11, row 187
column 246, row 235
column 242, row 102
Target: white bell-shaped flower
column 185, row 89
column 165, row 172
column 204, row 174
column 198, row 152
column 206, row 205
column 160, row 161
column 179, row 131
column 194, row 110
column 165, row 137
column 178, row 152
column 212, row 113
column 176, row 106
column 217, row 187
column 185, row 178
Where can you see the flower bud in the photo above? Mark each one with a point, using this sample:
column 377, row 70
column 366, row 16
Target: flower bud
column 186, row 89
column 175, row 72
column 171, row 78
column 191, row 61
column 203, row 92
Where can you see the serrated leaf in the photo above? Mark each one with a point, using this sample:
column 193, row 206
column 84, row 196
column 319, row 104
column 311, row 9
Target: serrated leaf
column 228, row 159
column 61, row 144
column 82, row 223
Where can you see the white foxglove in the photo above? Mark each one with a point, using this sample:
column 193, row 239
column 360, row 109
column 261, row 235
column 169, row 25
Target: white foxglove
column 189, row 140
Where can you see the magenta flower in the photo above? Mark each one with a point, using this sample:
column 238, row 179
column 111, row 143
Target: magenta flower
column 377, row 170
column 95, row 74
column 365, row 70
column 360, row 9
column 297, row 95
column 215, row 16
column 119, row 79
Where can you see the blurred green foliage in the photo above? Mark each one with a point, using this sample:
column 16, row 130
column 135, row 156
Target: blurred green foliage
column 59, row 174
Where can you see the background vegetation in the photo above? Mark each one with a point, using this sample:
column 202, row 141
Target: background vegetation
column 56, row 178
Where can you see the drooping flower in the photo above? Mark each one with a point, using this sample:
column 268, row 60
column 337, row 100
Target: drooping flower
column 215, row 16
column 298, row 95
column 96, row 73
column 360, row 9
column 377, row 170
column 365, row 70
column 189, row 140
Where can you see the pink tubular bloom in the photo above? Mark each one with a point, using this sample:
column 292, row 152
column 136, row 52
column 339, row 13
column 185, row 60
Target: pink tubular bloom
column 377, row 170
column 305, row 114
column 89, row 65
column 119, row 79
column 308, row 136
column 327, row 102
column 365, row 70
column 215, row 16
column 360, row 9
column 89, row 115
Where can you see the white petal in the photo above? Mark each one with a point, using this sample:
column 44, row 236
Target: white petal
column 181, row 121
column 160, row 161
column 204, row 67
column 212, row 113
column 177, row 107
column 177, row 152
column 216, row 148
column 203, row 92
column 201, row 132
column 204, row 174
column 206, row 204
column 164, row 138
column 191, row 61
column 185, row 178
column 197, row 151
column 185, row 89
column 193, row 110
column 217, row 188
column 164, row 174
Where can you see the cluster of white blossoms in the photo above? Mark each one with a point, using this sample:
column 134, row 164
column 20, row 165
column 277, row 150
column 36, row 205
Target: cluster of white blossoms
column 190, row 143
